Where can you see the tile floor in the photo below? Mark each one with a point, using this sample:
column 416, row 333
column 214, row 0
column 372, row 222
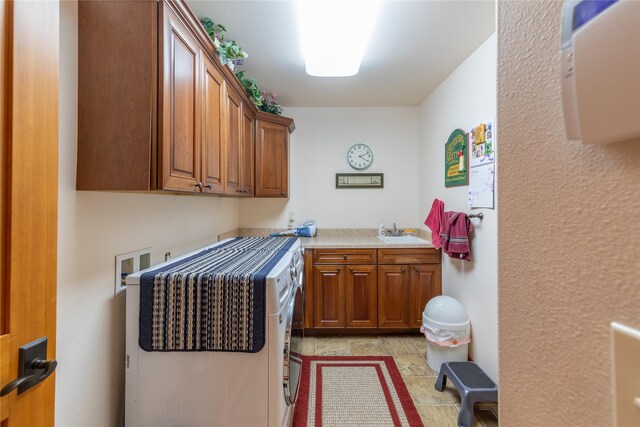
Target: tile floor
column 436, row 409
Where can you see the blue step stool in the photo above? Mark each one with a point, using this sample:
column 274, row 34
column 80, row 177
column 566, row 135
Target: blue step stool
column 472, row 384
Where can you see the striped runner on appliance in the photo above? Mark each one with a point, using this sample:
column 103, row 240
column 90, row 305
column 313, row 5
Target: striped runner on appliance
column 214, row 300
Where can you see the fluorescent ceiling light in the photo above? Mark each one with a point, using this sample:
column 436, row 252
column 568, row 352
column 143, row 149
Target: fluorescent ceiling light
column 335, row 34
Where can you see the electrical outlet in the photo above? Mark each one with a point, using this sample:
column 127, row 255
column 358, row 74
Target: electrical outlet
column 129, row 263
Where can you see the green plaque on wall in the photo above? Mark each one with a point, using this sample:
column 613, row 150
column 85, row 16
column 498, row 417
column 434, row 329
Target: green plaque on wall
column 455, row 159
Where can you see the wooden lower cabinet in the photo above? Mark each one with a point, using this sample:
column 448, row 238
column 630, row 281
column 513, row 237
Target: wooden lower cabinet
column 425, row 283
column 361, row 297
column 328, row 296
column 393, row 296
column 369, row 295
column 403, row 291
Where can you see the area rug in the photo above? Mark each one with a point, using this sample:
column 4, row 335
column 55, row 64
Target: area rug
column 340, row 391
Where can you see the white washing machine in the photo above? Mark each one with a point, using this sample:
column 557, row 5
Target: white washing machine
column 220, row 388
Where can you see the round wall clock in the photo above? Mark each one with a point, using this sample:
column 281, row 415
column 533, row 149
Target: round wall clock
column 360, row 156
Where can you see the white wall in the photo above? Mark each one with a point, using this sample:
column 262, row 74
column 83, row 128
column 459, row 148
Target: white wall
column 93, row 228
column 466, row 98
column 318, row 150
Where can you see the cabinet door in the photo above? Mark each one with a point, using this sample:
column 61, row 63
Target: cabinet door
column 272, row 160
column 328, row 296
column 233, row 135
column 180, row 138
column 361, row 297
column 213, row 86
column 247, row 164
column 425, row 284
column 393, row 296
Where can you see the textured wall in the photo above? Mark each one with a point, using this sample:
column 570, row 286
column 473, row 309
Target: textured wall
column 92, row 228
column 568, row 237
column 319, row 149
column 475, row 283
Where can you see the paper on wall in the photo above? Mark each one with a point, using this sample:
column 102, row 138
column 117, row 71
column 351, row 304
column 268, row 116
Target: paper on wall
column 481, row 180
column 482, row 149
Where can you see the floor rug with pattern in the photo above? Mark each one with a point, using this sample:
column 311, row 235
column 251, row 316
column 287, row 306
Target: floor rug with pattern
column 353, row 391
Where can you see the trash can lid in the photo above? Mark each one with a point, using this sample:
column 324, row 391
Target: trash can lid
column 444, row 310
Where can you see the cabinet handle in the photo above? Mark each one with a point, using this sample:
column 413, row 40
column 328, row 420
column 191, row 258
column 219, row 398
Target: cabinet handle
column 198, row 185
column 351, row 269
column 239, row 190
column 339, row 269
column 404, row 269
column 244, row 190
column 283, row 193
column 415, row 268
column 344, row 257
column 208, row 186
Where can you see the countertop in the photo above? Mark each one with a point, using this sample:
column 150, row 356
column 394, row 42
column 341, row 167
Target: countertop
column 329, row 242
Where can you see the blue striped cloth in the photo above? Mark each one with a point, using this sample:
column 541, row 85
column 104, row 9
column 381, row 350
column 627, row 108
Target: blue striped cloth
column 214, row 300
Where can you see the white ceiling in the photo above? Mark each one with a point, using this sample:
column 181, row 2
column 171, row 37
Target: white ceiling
column 415, row 46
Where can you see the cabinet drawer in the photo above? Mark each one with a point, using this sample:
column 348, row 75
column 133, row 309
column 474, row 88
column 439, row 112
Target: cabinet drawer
column 344, row 256
column 408, row 256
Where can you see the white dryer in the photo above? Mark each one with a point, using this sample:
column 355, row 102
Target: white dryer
column 220, row 388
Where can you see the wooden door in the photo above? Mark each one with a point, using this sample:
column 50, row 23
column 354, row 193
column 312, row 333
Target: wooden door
column 361, row 297
column 247, row 164
column 393, row 296
column 28, row 199
column 272, row 160
column 424, row 285
column 180, row 120
column 213, row 88
column 328, row 296
column 232, row 143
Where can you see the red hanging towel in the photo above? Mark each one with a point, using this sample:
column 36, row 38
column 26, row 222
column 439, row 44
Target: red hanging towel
column 434, row 222
column 456, row 227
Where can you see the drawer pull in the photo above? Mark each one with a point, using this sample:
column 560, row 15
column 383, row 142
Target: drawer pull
column 339, row 269
column 344, row 257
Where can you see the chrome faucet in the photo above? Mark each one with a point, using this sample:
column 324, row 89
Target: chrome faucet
column 395, row 232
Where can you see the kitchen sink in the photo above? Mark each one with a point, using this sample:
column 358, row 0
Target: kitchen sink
column 401, row 239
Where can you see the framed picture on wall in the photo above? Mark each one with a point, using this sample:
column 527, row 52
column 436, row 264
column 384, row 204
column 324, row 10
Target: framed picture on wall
column 359, row 180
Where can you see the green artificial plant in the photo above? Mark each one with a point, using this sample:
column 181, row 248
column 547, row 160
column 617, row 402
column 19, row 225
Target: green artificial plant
column 228, row 50
column 251, row 88
column 269, row 104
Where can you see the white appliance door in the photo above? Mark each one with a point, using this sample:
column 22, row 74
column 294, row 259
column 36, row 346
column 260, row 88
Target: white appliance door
column 292, row 372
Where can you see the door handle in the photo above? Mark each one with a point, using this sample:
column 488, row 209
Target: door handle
column 30, row 380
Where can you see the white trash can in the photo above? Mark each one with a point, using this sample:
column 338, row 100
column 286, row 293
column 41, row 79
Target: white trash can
column 446, row 326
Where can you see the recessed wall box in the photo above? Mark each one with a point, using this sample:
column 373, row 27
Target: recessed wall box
column 128, row 263
column 600, row 63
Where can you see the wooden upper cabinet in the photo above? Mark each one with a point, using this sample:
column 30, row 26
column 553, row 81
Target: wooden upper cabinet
column 157, row 110
column 179, row 153
column 361, row 297
column 247, row 157
column 393, row 296
column 213, row 92
column 272, row 159
column 232, row 144
column 328, row 296
column 117, row 95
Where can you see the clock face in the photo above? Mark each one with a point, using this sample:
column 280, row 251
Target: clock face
column 360, row 156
